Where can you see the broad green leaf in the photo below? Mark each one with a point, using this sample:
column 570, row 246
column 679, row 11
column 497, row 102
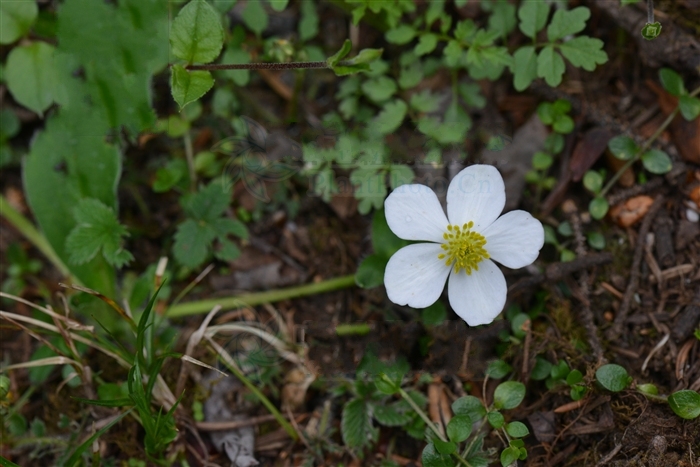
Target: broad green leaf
column 403, row 34
column 459, row 428
column 308, row 24
column 188, row 86
column 390, row 118
column 690, row 107
column 623, row 147
column 550, row 66
column 584, row 52
column 569, row 22
column 97, row 229
column 524, row 66
column 30, row 75
column 598, row 207
column 672, row 82
column 508, row 395
column 685, row 404
column 197, row 35
column 16, row 18
column 356, row 424
column 613, row 377
column 656, row 161
column 370, row 272
column 255, row 17
column 444, row 447
column 426, row 44
column 533, row 16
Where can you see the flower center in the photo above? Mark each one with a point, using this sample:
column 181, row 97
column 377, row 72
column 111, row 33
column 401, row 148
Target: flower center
column 464, row 249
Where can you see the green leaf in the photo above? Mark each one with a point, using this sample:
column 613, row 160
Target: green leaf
column 432, row 458
column 192, row 243
column 228, row 251
column 338, row 56
column 471, row 93
column 370, row 272
column 498, row 369
column 533, row 16
column 651, row 31
column 517, row 430
column 30, row 75
column 97, row 229
column 648, row 388
column 188, row 86
column 16, row 18
column 598, row 207
column 379, row 89
column 565, row 22
column 255, row 17
column 541, row 369
column 509, row 455
column 426, row 44
column 444, row 447
column 596, row 240
column 593, row 181
column 574, row 377
column 502, row 20
column 584, row 52
column 238, row 56
column 390, row 118
column 613, row 377
column 403, row 34
column 685, row 404
column 470, row 406
column 196, row 35
column 550, row 66
column 425, row 101
column 495, row 419
column 356, row 424
column 657, row 161
column 388, row 415
column 542, row 160
column 400, row 174
column 434, row 315
column 524, row 66
column 459, row 428
column 508, row 395
column 623, row 147
column 308, row 24
column 278, row 5
column 563, row 125
column 365, row 57
column 690, row 107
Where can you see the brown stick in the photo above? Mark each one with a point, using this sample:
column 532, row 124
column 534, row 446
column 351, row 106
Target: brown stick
column 616, row 329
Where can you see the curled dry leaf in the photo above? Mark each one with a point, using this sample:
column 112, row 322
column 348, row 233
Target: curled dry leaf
column 588, row 151
column 631, row 211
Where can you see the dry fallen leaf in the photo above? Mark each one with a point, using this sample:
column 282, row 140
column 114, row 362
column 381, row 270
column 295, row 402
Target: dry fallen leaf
column 695, row 195
column 587, row 151
column 631, row 211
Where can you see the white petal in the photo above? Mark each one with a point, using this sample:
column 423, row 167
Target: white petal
column 479, row 297
column 515, row 239
column 476, row 194
column 415, row 276
column 413, row 212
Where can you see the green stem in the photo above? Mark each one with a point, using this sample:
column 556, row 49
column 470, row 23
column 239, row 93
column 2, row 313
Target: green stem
column 258, row 298
column 425, row 418
column 644, row 147
column 30, row 232
column 265, row 401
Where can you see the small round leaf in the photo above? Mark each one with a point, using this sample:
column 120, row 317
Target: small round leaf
column 598, row 207
column 656, row 161
column 685, row 404
column 613, row 377
column 517, row 430
column 509, row 395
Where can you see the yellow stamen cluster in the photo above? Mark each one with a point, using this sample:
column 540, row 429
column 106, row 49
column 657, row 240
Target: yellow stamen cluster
column 464, row 249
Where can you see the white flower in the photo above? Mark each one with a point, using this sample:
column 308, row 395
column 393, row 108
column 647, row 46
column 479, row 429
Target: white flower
column 461, row 247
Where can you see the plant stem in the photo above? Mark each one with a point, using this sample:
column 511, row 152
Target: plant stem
column 650, row 11
column 425, row 418
column 258, row 298
column 35, row 237
column 261, row 66
column 644, row 147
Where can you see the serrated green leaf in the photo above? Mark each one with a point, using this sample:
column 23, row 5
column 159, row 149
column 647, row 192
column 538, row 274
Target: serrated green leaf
column 188, row 86
column 502, row 19
column 403, row 34
column 196, row 35
column 690, row 107
column 97, row 229
column 192, row 243
column 16, row 18
column 390, row 118
column 308, row 24
column 379, row 89
column 432, row 458
column 209, row 203
column 370, row 273
column 255, row 17
column 685, row 404
column 657, row 161
column 471, row 93
column 356, row 424
column 30, row 75
column 623, row 147
column 228, row 251
column 533, row 16
column 425, row 101
column 584, row 52
column 508, row 395
column 524, row 66
column 388, row 415
column 613, row 377
column 550, row 66
column 569, row 22
column 426, row 44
